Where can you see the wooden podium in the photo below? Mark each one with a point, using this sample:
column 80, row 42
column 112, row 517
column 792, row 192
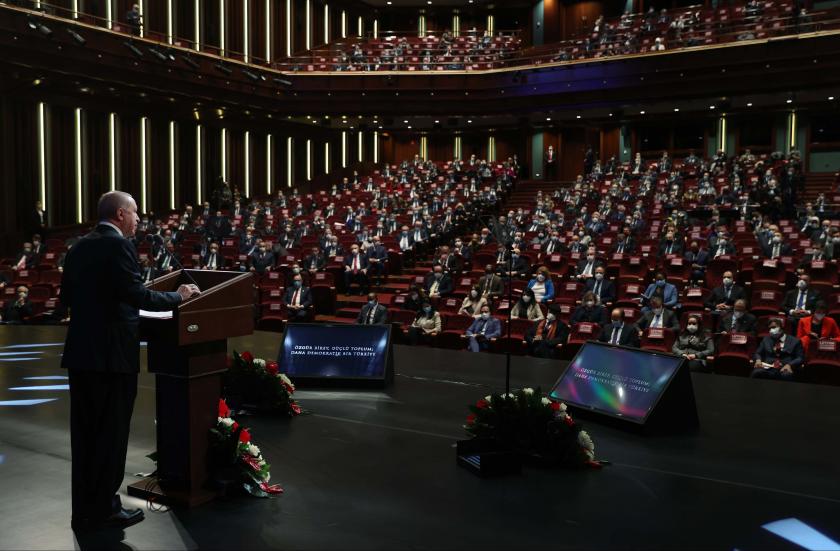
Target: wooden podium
column 187, row 352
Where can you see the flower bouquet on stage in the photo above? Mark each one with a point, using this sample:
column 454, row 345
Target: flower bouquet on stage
column 254, row 383
column 508, row 429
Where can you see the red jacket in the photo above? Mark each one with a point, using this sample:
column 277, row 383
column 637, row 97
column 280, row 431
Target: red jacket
column 829, row 328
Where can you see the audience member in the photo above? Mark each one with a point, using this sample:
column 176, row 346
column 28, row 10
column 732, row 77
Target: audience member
column 694, row 344
column 547, row 336
column 372, row 313
column 778, row 356
column 483, row 330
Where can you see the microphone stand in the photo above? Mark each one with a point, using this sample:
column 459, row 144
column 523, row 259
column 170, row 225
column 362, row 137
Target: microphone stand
column 492, row 223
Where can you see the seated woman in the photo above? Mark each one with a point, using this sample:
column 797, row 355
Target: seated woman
column 817, row 326
column 589, row 311
column 542, row 286
column 426, row 325
column 527, row 307
column 694, row 344
column 471, row 306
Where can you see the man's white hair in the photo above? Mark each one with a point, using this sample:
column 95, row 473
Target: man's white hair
column 111, row 202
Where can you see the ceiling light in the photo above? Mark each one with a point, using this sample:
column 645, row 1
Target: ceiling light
column 409, row 127
column 640, row 112
column 611, row 114
column 830, row 98
column 438, row 122
column 577, row 116
column 389, row 2
column 676, row 109
column 406, row 122
column 749, row 104
column 788, row 100
column 469, row 122
column 712, row 107
column 548, row 118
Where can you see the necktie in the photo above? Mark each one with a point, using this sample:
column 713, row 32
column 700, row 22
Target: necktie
column 355, row 264
column 734, row 322
column 670, row 248
column 483, row 327
column 371, row 313
column 433, row 289
column 800, row 302
column 487, row 280
column 657, row 321
column 775, row 251
column 550, row 247
column 616, row 332
column 598, row 289
column 588, row 269
column 621, row 248
column 720, row 251
column 296, row 298
column 501, row 258
column 728, row 292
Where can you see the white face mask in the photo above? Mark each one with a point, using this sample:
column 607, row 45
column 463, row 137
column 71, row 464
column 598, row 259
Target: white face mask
column 801, row 284
column 590, row 303
column 526, row 299
column 599, row 276
column 691, row 328
column 485, row 315
column 727, row 281
column 550, row 317
column 775, row 331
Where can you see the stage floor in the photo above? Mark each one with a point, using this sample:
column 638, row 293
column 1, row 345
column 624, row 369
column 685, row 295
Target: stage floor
column 376, row 470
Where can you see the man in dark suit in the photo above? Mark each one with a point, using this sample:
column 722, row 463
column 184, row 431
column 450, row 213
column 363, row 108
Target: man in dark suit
column 800, row 302
column 262, row 260
column 670, row 245
column 658, row 316
column 517, row 268
column 547, row 336
column 101, row 287
column 18, row 310
column 722, row 298
column 778, row 356
column 619, row 331
column 738, row 320
column 450, row 262
column 355, row 270
column 315, row 261
column 213, row 260
column 438, row 283
column 148, row 271
column 698, row 258
column 484, row 329
column 377, row 257
column 372, row 313
column 601, row 287
column 298, row 299
column 623, row 244
column 490, row 285
column 26, row 258
column 777, row 247
column 585, row 268
column 37, row 220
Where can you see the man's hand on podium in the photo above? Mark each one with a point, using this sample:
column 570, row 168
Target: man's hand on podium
column 188, row 291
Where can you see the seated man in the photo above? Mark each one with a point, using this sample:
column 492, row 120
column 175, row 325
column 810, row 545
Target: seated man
column 372, row 313
column 298, row 300
column 168, row 259
column 585, row 268
column 660, row 288
column 670, row 245
column 18, row 310
column 737, row 320
column 490, row 284
column 779, row 355
column 438, row 284
column 315, row 261
column 547, row 336
column 619, row 332
column 355, row 270
column 698, row 259
column 799, row 303
column 450, row 262
column 601, row 287
column 777, row 246
column 658, row 317
column 723, row 298
column 483, row 330
column 817, row 326
column 213, row 260
column 26, row 258
column 377, row 257
column 262, row 260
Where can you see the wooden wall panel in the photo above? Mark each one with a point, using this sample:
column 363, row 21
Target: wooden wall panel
column 95, row 151
column 235, row 28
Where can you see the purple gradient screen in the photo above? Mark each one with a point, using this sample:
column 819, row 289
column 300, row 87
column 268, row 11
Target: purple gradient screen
column 618, row 381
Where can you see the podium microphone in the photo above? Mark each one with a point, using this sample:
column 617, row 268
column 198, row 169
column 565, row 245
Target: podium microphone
column 184, row 271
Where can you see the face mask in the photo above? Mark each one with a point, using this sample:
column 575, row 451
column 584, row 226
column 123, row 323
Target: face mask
column 427, row 309
column 590, row 257
column 727, row 281
column 589, row 303
column 526, row 299
column 692, row 328
column 540, row 277
column 737, row 313
column 296, row 270
column 262, row 249
column 801, row 284
column 660, row 283
column 485, row 315
column 599, row 276
column 372, row 302
column 438, row 275
column 775, row 332
column 474, row 294
column 658, row 311
column 777, row 239
column 616, row 322
column 298, row 283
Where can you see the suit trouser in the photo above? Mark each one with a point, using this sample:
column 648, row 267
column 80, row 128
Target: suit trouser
column 100, row 418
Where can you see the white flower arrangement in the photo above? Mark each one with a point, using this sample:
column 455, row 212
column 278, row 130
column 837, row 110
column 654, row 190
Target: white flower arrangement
column 528, row 391
column 226, row 421
column 258, row 362
column 488, row 398
column 253, row 450
column 587, row 444
column 545, row 401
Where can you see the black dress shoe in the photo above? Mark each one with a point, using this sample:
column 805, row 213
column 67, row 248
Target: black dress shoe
column 124, row 518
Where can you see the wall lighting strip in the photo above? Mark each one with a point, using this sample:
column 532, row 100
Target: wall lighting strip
column 77, row 149
column 326, row 157
column 375, row 146
column 308, row 160
column 289, row 161
column 224, row 153
column 246, row 32
column 197, row 21
column 112, row 151
column 171, row 164
column 268, row 30
column 343, row 149
column 268, row 158
column 288, row 28
column 308, row 24
column 143, row 179
column 170, row 35
column 42, row 155
column 222, row 30
column 361, row 140
column 247, row 163
column 198, row 163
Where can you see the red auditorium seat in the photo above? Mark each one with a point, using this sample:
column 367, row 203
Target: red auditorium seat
column 658, row 339
column 514, row 344
column 454, row 327
column 765, row 302
column 579, row 334
column 734, row 354
column 822, row 362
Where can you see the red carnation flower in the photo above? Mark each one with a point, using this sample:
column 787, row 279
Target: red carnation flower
column 248, row 357
column 272, row 368
column 244, row 436
column 482, row 404
column 234, row 426
column 224, row 410
column 470, row 418
column 295, row 408
column 555, row 406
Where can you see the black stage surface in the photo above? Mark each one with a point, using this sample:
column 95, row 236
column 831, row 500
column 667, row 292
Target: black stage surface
column 377, row 469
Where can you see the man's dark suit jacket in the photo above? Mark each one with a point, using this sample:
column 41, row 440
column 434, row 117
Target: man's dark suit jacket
column 379, row 317
column 669, row 320
column 791, row 353
column 629, row 335
column 607, row 289
column 811, row 298
column 444, row 285
column 744, row 324
column 718, row 296
column 305, row 296
column 102, row 288
column 497, row 285
column 320, row 262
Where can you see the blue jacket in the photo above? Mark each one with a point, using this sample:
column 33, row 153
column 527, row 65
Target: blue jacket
column 670, row 295
column 493, row 329
column 549, row 288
